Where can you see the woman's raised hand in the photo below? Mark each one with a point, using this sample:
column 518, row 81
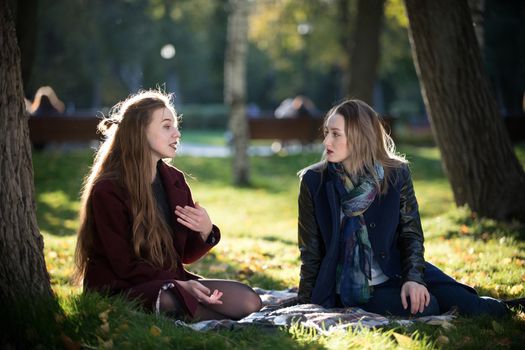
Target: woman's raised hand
column 196, row 219
column 201, row 292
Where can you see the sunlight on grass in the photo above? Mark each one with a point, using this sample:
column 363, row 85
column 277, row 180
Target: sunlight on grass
column 259, row 247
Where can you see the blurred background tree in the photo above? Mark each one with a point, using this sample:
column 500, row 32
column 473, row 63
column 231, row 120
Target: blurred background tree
column 94, row 53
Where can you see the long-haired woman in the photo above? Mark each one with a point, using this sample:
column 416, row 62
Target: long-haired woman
column 139, row 223
column 360, row 235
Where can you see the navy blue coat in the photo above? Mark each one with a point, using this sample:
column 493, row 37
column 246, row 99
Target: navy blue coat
column 394, row 230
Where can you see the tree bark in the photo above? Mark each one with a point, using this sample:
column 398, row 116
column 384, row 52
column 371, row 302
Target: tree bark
column 478, row 157
column 23, row 275
column 235, row 87
column 364, row 53
column 26, row 30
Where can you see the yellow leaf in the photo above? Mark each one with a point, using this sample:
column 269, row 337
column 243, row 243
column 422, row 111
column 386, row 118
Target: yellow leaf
column 517, row 289
column 506, row 261
column 155, row 331
column 464, row 229
column 403, row 340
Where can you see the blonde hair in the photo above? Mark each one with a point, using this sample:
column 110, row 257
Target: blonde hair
column 125, row 158
column 367, row 140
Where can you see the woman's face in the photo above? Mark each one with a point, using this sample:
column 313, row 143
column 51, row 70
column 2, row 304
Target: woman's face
column 163, row 134
column 335, row 139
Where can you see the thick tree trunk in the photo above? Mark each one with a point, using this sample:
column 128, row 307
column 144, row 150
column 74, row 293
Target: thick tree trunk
column 26, row 30
column 478, row 157
column 235, row 87
column 364, row 53
column 23, row 276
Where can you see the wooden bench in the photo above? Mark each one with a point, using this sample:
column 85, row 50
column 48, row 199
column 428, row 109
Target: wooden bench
column 63, row 128
column 83, row 128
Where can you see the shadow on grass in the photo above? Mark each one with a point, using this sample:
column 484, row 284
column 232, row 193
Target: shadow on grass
column 56, row 220
column 481, row 229
column 96, row 321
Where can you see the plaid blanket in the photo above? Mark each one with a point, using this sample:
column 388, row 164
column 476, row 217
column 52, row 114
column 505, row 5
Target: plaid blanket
column 280, row 309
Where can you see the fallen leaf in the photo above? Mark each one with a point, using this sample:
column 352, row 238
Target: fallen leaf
column 403, row 340
column 464, row 229
column 155, row 331
column 517, row 289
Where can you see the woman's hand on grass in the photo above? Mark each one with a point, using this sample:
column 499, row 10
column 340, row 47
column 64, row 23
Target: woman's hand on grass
column 201, row 292
column 418, row 294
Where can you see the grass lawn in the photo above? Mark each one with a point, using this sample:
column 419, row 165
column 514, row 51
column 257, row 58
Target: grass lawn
column 259, row 247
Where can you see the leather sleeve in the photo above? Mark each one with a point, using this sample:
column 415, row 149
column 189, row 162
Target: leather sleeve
column 411, row 238
column 309, row 245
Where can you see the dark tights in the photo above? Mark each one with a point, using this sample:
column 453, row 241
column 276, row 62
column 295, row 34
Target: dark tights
column 238, row 301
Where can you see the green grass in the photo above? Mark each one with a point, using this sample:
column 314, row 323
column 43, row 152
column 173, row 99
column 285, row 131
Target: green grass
column 259, row 247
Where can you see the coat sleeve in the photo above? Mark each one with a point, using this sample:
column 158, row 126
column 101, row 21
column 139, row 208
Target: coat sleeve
column 309, row 245
column 411, row 238
column 112, row 222
column 195, row 247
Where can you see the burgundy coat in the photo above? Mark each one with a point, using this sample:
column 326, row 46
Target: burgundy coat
column 113, row 266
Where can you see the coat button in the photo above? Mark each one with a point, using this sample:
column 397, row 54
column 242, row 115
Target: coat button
column 373, row 225
column 382, row 255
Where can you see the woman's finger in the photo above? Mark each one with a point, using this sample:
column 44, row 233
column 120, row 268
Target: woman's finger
column 187, row 224
column 414, row 301
column 404, row 298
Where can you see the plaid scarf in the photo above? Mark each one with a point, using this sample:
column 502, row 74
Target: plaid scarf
column 355, row 260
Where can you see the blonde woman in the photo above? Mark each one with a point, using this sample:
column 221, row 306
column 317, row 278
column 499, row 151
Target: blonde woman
column 360, row 235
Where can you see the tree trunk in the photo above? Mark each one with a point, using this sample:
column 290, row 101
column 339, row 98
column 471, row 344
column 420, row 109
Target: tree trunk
column 478, row 157
column 364, row 53
column 235, row 87
column 26, row 30
column 24, row 281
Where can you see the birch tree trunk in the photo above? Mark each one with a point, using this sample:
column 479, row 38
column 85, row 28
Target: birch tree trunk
column 478, row 157
column 235, row 87
column 24, row 281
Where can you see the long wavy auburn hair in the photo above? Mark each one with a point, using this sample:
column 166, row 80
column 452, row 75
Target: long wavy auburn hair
column 125, row 158
column 367, row 140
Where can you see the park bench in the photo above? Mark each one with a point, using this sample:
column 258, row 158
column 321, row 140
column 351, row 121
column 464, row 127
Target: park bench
column 80, row 128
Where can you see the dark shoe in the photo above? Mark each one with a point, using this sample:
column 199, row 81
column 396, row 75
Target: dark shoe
column 515, row 303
